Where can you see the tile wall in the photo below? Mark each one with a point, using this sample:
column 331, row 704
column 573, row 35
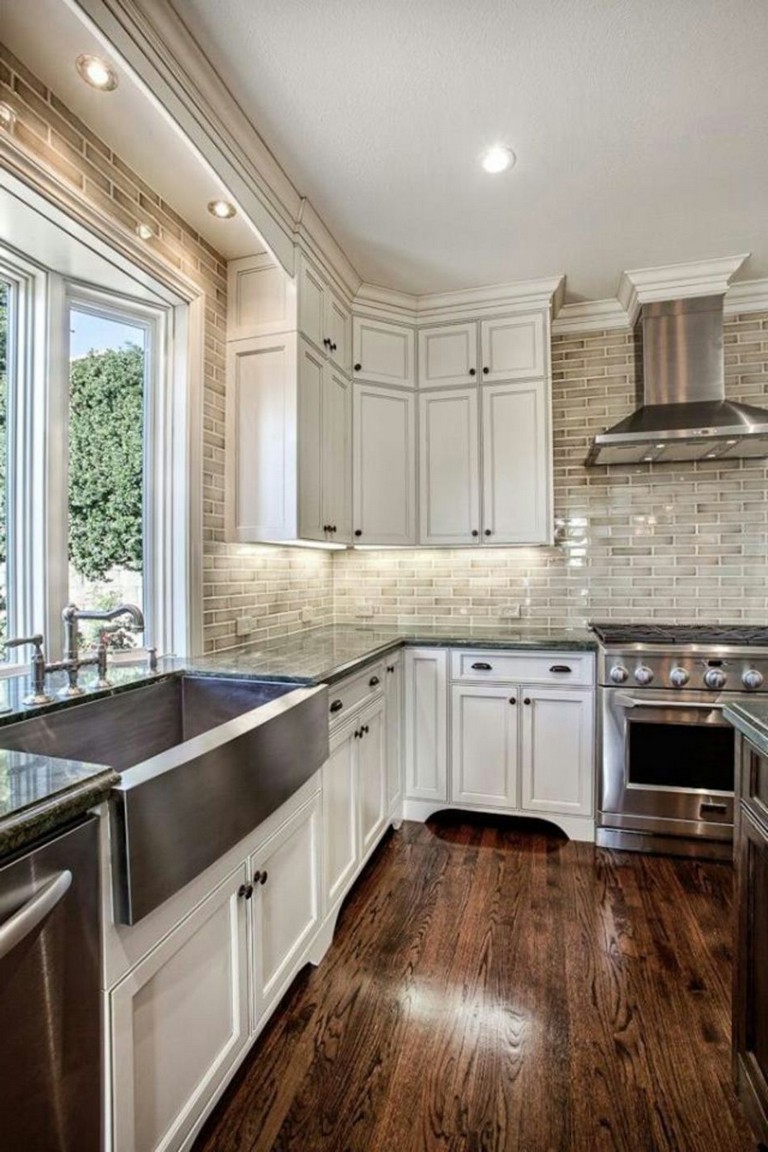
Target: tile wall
column 271, row 585
column 677, row 542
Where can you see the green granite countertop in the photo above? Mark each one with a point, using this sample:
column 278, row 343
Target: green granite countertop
column 751, row 719
column 324, row 655
column 38, row 793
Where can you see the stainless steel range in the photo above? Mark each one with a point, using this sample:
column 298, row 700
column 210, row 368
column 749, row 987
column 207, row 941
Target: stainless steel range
column 667, row 770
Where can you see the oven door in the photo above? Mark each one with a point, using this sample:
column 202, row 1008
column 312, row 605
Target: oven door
column 668, row 764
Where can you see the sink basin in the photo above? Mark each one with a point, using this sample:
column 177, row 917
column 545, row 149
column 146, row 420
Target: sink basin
column 203, row 760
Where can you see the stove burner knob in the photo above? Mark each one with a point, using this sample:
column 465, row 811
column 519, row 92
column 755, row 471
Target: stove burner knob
column 714, row 678
column 643, row 675
column 679, row 677
column 618, row 674
column 752, row 679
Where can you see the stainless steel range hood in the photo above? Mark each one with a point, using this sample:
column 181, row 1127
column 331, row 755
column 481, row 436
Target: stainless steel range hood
column 683, row 413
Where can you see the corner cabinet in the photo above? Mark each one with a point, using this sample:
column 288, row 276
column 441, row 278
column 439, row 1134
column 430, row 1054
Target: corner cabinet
column 750, row 987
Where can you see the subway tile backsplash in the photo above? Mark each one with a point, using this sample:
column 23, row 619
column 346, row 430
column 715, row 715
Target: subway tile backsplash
column 677, row 542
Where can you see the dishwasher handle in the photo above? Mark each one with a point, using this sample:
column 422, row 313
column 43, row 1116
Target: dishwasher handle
column 14, row 930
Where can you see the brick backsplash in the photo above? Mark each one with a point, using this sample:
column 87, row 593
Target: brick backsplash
column 271, row 585
column 677, row 542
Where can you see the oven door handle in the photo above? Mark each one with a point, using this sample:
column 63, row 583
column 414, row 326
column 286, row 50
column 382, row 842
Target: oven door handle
column 632, row 702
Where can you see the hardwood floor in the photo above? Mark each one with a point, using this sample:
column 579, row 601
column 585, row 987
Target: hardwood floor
column 496, row 989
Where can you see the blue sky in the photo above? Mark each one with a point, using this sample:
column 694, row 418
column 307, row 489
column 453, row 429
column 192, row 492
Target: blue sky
column 94, row 332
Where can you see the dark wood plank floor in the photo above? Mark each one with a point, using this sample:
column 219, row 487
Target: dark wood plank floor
column 496, row 989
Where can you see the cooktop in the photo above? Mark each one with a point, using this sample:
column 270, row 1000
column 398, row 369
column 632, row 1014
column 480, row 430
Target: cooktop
column 741, row 635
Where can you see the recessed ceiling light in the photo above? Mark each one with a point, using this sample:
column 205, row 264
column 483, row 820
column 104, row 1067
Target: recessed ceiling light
column 145, row 231
column 498, row 158
column 97, row 72
column 222, row 209
column 7, row 117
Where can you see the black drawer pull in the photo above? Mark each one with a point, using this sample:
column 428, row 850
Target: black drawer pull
column 336, row 706
column 374, row 680
column 561, row 668
column 481, row 667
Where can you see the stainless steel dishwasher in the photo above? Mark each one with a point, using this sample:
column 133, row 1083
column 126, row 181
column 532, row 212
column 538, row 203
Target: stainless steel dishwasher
column 50, row 1030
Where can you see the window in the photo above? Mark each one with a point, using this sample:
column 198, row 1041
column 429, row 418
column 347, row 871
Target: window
column 5, row 304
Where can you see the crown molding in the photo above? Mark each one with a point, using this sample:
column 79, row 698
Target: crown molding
column 436, row 307
column 590, row 316
column 747, row 296
column 314, row 238
column 676, row 281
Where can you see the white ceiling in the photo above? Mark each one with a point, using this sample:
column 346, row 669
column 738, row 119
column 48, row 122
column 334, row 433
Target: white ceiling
column 127, row 119
column 641, row 130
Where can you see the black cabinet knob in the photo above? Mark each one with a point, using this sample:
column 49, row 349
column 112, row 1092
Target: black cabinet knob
column 245, row 891
column 513, row 699
column 358, row 367
column 358, row 532
column 486, row 371
column 336, row 706
column 326, row 342
column 365, row 730
column 374, row 680
column 526, row 700
column 326, row 527
column 488, row 532
column 332, row 347
column 390, row 667
column 475, row 532
column 473, row 371
column 263, row 879
column 256, row 877
column 357, row 734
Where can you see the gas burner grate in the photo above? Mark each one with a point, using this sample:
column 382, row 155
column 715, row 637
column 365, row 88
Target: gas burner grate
column 734, row 635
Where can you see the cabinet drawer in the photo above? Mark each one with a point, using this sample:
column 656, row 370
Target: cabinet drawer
column 346, row 695
column 544, row 667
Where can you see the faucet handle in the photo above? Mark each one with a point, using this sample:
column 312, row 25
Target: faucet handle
column 17, row 642
column 38, row 670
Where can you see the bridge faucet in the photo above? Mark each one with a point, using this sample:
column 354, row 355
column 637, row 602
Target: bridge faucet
column 72, row 662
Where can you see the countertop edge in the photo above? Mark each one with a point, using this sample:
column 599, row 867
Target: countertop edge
column 27, row 825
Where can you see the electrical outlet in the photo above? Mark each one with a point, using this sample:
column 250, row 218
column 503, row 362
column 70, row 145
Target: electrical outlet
column 363, row 610
column 309, row 615
column 510, row 612
column 244, row 626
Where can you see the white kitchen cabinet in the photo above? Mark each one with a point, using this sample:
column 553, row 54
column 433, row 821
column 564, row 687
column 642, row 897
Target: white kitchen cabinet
column 324, row 449
column 323, row 318
column 261, row 298
column 371, row 776
column 384, row 453
column 340, row 820
column 393, row 691
column 513, row 347
column 484, row 745
column 179, row 1022
column 449, row 467
column 517, row 453
column 285, row 905
column 426, row 724
column 557, row 750
column 448, row 355
column 336, row 471
column 383, row 353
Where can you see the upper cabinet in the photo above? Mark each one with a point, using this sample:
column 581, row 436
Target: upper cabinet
column 517, row 464
column 384, row 456
column 383, row 353
column 448, row 355
column 513, row 348
column 323, row 317
column 261, row 299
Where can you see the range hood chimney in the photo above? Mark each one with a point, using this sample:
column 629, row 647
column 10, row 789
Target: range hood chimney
column 683, row 413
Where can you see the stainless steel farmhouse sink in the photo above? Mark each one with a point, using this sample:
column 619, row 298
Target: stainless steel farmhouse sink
column 203, row 760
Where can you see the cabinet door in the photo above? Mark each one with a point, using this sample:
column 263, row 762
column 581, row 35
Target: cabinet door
column 312, row 451
column 558, row 760
column 311, row 307
column 261, row 439
column 447, row 355
column 179, row 1023
column 513, row 348
column 517, row 464
column 384, row 478
column 484, row 745
column 285, row 906
column 371, row 776
column 393, row 690
column 448, row 467
column 383, row 353
column 261, row 299
column 426, row 723
column 338, row 329
column 340, row 832
column 337, row 454
column 750, row 990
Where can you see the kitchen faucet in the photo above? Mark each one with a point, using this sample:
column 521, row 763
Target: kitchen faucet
column 72, row 662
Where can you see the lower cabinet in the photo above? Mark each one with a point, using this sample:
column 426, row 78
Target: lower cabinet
column 750, row 988
column 183, row 1017
column 426, row 724
column 393, row 695
column 180, row 1020
column 484, row 745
